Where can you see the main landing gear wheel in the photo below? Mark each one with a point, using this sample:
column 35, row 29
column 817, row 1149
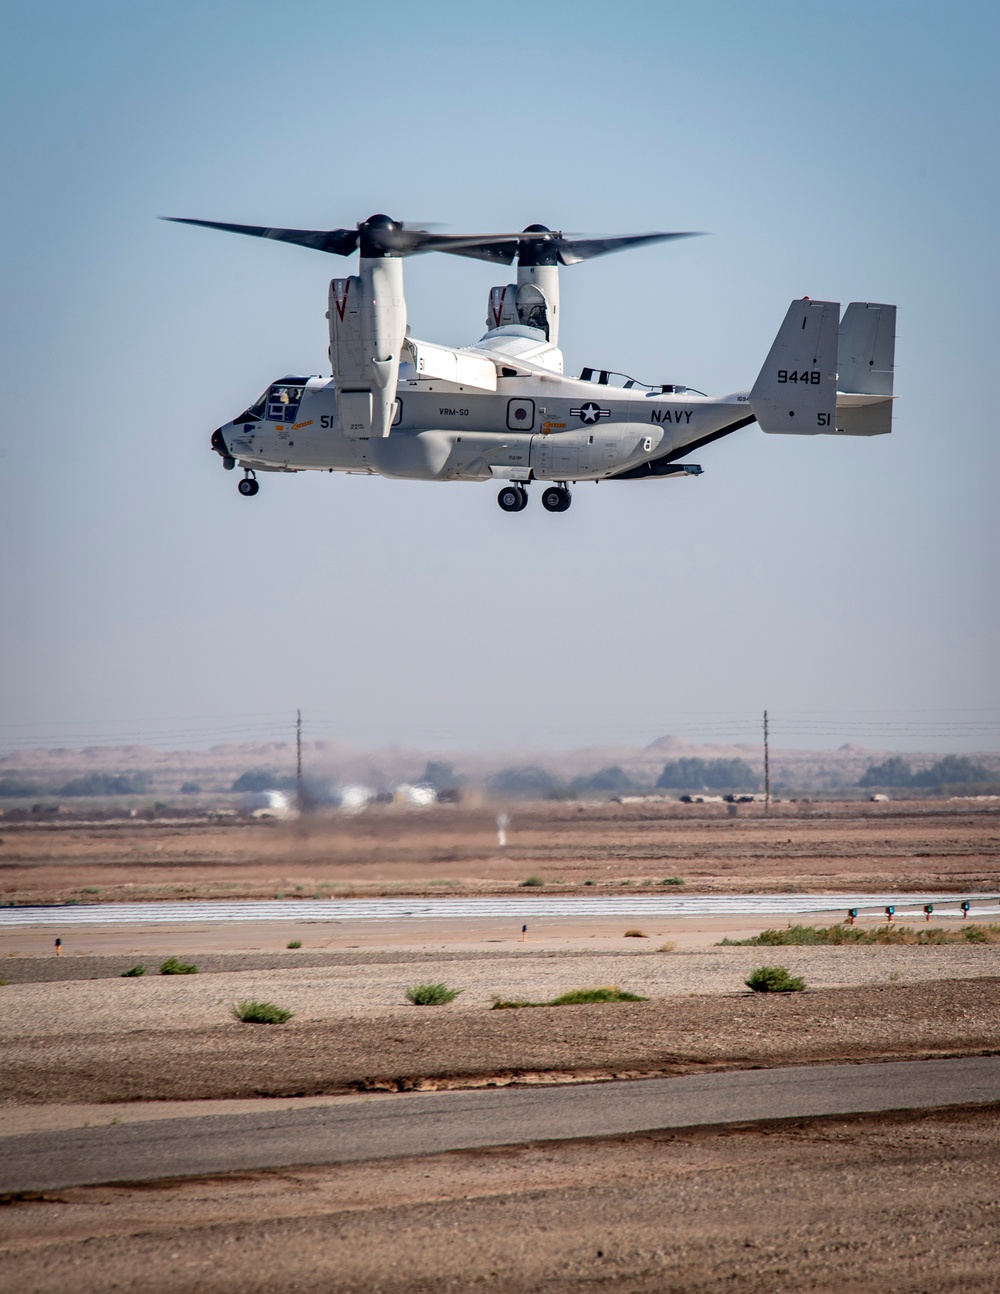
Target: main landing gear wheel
column 248, row 486
column 513, row 498
column 556, row 498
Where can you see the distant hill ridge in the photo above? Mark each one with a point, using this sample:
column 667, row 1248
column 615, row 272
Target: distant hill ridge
column 217, row 767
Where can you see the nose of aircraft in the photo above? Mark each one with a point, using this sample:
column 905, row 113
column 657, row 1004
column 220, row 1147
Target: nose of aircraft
column 221, row 448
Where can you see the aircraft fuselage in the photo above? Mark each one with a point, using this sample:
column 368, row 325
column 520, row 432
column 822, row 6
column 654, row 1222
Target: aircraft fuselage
column 548, row 428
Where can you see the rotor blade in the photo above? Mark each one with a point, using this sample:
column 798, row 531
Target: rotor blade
column 500, row 253
column 340, row 242
column 574, row 250
column 493, row 247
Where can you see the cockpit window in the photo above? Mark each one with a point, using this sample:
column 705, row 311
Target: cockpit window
column 283, row 402
column 257, row 409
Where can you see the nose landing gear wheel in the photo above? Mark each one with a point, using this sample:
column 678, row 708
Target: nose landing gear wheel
column 556, row 499
column 513, row 498
column 248, row 486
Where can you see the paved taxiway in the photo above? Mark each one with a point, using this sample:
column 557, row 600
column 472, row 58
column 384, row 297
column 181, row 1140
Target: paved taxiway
column 514, row 909
column 425, row 1123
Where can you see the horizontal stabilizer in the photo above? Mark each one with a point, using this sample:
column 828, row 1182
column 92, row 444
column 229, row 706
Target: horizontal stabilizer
column 863, row 415
column 796, row 390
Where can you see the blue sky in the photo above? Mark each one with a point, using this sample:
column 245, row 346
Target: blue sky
column 842, row 151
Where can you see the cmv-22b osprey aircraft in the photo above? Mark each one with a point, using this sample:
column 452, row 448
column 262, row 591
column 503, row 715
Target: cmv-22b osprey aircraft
column 503, row 409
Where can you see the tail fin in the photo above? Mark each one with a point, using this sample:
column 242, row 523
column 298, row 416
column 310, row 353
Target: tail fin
column 865, row 365
column 866, row 349
column 796, row 390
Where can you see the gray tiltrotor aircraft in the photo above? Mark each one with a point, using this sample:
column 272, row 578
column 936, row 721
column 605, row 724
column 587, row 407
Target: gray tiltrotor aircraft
column 503, row 409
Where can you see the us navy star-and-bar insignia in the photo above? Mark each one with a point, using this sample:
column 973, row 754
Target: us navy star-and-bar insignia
column 590, row 412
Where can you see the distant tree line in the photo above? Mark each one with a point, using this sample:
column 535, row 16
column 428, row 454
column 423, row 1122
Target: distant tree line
column 532, row 782
column 953, row 770
column 708, row 775
column 263, row 779
column 16, row 787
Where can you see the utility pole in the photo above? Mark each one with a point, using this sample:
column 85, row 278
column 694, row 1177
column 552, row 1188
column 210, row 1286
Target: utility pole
column 298, row 760
column 767, row 770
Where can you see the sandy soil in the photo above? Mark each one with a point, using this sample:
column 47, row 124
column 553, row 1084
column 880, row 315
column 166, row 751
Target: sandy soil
column 79, row 1049
column 828, row 847
column 902, row 1203
column 335, row 995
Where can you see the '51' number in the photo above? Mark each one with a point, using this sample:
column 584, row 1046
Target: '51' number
column 810, row 376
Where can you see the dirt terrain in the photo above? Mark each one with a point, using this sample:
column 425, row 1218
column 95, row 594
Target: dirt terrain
column 921, row 845
column 76, row 1047
column 835, row 1206
column 902, row 1203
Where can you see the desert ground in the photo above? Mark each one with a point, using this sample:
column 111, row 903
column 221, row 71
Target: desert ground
column 829, row 1206
column 904, row 1202
column 913, row 845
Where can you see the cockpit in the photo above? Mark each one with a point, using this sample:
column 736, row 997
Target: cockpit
column 280, row 402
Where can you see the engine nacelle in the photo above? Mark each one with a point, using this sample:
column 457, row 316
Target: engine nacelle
column 367, row 317
column 532, row 302
column 502, row 308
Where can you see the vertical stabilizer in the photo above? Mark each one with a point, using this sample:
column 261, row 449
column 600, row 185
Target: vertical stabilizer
column 867, row 349
column 796, row 390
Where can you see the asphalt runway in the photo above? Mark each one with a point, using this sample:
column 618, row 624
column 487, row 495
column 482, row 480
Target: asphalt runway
column 430, row 1123
column 514, row 909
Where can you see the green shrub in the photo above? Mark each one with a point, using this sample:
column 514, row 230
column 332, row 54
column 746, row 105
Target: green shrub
column 774, row 979
column 431, row 994
column 134, row 972
column 887, row 934
column 533, row 880
column 260, row 1013
column 174, row 967
column 582, row 995
column 577, row 997
column 294, row 943
column 672, row 880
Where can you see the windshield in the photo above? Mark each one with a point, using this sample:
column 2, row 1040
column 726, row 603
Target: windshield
column 283, row 402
